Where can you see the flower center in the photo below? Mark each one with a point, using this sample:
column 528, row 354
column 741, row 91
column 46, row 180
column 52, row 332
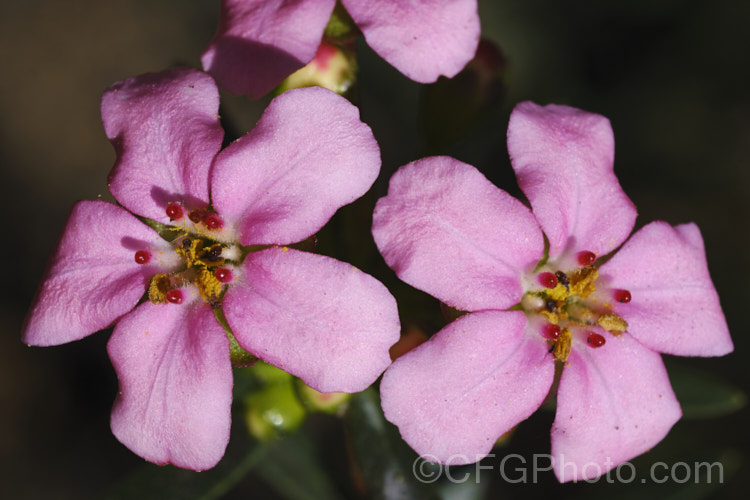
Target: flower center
column 564, row 304
column 207, row 262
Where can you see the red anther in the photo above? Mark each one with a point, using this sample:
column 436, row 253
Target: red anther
column 586, row 258
column 223, row 274
column 174, row 296
column 142, row 256
column 547, row 280
column 213, row 222
column 174, row 211
column 595, row 340
column 622, row 296
column 196, row 216
column 551, row 331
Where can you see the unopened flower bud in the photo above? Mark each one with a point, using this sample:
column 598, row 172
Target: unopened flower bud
column 274, row 409
column 325, row 402
column 332, row 67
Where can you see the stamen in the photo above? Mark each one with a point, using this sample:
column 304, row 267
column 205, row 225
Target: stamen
column 174, row 211
column 213, row 222
column 550, row 304
column 582, row 282
column 551, row 332
column 158, row 288
column 612, row 323
column 223, row 274
column 142, row 256
column 622, row 296
column 561, row 351
column 547, row 280
column 595, row 340
column 586, row 258
column 562, row 278
column 174, row 296
column 208, row 285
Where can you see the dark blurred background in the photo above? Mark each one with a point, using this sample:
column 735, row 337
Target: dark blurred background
column 672, row 76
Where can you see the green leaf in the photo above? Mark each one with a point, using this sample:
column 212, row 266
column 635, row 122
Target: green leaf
column 155, row 482
column 702, row 394
column 292, row 466
column 384, row 461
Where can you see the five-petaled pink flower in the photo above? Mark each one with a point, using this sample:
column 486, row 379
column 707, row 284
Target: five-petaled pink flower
column 320, row 319
column 261, row 42
column 445, row 229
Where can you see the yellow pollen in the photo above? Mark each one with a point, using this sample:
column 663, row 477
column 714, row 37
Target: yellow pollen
column 612, row 323
column 582, row 281
column 563, row 343
column 201, row 258
column 208, row 285
column 190, row 253
column 550, row 316
column 559, row 293
column 158, row 288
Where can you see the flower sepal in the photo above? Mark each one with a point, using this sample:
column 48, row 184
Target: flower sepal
column 341, row 27
column 238, row 355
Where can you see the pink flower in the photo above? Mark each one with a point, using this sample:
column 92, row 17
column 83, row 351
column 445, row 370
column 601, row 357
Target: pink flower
column 320, row 319
column 261, row 42
column 445, row 229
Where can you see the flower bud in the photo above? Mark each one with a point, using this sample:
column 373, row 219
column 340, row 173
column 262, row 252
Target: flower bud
column 332, row 67
column 274, row 409
column 333, row 403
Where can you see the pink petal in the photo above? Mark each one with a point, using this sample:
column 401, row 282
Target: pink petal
column 92, row 278
column 317, row 318
column 674, row 308
column 455, row 395
column 308, row 155
column 165, row 129
column 563, row 158
column 175, row 376
column 614, row 403
column 261, row 42
column 423, row 40
column 445, row 229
